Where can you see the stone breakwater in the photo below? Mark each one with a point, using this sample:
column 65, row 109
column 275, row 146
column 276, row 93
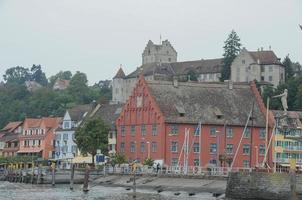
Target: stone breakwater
column 261, row 186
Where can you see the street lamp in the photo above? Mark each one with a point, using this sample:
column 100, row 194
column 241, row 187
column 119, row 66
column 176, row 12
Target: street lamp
column 218, row 144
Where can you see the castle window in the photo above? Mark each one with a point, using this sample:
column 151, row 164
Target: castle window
column 243, row 61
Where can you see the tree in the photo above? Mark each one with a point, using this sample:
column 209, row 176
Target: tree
column 149, row 162
column 91, row 136
column 38, row 75
column 289, row 72
column 17, row 75
column 78, row 88
column 231, row 50
column 64, row 75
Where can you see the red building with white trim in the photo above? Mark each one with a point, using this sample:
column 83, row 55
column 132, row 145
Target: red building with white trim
column 156, row 116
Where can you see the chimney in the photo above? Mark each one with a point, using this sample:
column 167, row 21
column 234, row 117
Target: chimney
column 270, row 48
column 175, row 81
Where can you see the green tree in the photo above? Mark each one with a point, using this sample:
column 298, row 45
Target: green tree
column 64, row 75
column 38, row 75
column 149, row 162
column 288, row 67
column 91, row 136
column 78, row 88
column 231, row 50
column 17, row 75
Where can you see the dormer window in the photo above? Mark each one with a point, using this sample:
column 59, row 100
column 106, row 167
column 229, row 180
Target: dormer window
column 66, row 125
column 181, row 110
column 218, row 113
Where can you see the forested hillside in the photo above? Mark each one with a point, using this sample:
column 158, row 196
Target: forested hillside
column 16, row 102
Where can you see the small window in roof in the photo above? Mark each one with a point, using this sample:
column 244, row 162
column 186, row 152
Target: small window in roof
column 218, row 113
column 180, row 109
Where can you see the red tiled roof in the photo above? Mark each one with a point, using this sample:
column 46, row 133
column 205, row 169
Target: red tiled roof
column 265, row 57
column 32, row 122
column 11, row 126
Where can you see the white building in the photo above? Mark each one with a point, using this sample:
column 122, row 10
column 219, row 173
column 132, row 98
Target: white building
column 263, row 66
column 65, row 147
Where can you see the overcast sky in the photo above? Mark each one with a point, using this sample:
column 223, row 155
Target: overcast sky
column 96, row 36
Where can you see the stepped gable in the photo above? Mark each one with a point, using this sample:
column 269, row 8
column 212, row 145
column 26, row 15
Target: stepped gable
column 206, row 102
column 120, row 74
column 265, row 57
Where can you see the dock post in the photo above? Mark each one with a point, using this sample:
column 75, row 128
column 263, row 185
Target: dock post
column 72, row 176
column 134, row 181
column 39, row 174
column 86, row 179
column 293, row 195
column 53, row 174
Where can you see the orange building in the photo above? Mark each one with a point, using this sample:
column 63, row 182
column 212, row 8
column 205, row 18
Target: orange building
column 37, row 137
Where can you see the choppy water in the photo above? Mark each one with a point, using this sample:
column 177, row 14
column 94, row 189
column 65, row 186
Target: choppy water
column 18, row 191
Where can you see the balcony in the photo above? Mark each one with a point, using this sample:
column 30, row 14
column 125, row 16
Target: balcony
column 294, row 134
column 286, row 160
column 292, row 149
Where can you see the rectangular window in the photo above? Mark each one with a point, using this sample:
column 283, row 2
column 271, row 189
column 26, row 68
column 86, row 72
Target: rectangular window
column 123, row 131
column 243, row 61
column 58, row 136
column 278, row 143
column 132, row 130
column 262, row 78
column 122, row 147
column 174, row 129
column 262, row 133
column 270, row 78
column 196, row 162
column 154, row 146
column 246, row 164
column 229, row 132
column 65, row 136
column 142, row 147
column 262, row 149
column 132, row 147
column 270, row 68
column 154, row 129
column 246, row 149
column 196, row 147
column 143, row 130
column 174, row 146
column 229, row 148
column 174, row 162
column 66, row 125
column 213, row 148
column 247, row 133
column 213, row 132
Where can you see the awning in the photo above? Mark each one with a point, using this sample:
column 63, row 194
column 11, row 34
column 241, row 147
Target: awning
column 81, row 159
column 29, row 151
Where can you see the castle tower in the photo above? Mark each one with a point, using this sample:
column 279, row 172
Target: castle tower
column 159, row 53
column 118, row 85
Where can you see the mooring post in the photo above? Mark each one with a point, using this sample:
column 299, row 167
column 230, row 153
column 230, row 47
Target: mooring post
column 86, row 179
column 53, row 174
column 39, row 174
column 134, row 181
column 293, row 195
column 72, row 176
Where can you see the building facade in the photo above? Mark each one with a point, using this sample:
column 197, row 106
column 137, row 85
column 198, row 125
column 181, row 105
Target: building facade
column 157, row 115
column 261, row 65
column 37, row 137
column 9, row 140
column 288, row 143
column 65, row 145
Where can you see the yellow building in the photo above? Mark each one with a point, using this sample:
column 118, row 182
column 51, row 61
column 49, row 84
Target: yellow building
column 288, row 139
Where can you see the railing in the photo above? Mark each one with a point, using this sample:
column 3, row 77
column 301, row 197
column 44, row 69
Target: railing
column 286, row 160
column 292, row 148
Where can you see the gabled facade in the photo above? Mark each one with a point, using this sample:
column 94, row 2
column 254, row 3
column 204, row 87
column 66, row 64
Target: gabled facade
column 9, row 139
column 65, row 146
column 156, row 116
column 37, row 137
column 263, row 66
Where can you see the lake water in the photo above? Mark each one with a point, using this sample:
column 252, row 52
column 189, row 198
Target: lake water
column 18, row 191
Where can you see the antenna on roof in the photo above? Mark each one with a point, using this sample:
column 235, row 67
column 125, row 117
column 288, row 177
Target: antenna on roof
column 159, row 38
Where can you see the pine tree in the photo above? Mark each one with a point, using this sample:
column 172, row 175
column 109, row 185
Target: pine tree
column 231, row 50
column 288, row 67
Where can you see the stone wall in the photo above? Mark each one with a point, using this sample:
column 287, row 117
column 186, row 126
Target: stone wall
column 261, row 186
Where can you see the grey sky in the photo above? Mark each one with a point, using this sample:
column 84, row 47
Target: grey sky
column 96, row 36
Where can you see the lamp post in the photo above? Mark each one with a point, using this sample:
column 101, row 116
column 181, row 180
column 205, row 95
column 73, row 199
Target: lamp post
column 218, row 144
